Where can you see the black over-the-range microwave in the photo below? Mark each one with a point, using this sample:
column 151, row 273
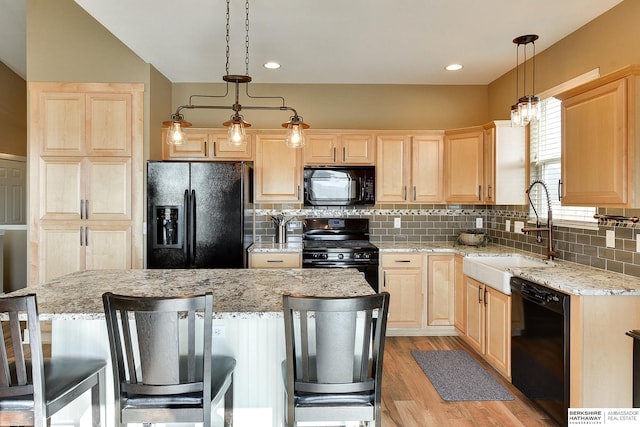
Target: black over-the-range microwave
column 339, row 185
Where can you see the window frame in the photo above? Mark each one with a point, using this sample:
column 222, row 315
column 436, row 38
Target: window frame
column 535, row 165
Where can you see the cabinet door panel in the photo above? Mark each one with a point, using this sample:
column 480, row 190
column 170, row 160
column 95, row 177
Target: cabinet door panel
column 594, row 147
column 321, row 150
column 427, row 159
column 392, row 168
column 61, row 123
column 498, row 330
column 109, row 124
column 464, row 159
column 357, row 150
column 108, row 188
column 225, row 151
column 278, row 171
column 108, row 247
column 440, row 307
column 195, row 146
column 405, row 287
column 60, row 251
column 61, row 188
column 460, row 296
column 475, row 314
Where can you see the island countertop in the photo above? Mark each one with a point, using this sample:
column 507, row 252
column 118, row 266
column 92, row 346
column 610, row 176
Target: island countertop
column 237, row 293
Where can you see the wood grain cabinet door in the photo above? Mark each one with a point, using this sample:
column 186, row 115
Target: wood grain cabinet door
column 109, row 124
column 392, row 168
column 595, row 150
column 278, row 170
column 427, row 161
column 464, row 159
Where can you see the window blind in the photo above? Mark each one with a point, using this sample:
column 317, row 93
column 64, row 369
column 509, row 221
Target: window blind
column 545, row 151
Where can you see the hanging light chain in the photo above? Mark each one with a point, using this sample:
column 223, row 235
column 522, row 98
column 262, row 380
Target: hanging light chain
column 246, row 38
column 227, row 39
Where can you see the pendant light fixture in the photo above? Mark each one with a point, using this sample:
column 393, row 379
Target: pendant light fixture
column 527, row 108
column 236, row 124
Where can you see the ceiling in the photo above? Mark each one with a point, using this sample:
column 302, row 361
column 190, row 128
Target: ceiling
column 330, row 41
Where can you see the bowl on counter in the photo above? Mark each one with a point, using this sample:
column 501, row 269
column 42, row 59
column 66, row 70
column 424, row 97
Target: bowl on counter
column 472, row 238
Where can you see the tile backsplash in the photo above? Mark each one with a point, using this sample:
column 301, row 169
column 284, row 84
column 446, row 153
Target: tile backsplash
column 442, row 223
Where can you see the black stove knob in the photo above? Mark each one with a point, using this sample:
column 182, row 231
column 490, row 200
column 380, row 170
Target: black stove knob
column 340, row 256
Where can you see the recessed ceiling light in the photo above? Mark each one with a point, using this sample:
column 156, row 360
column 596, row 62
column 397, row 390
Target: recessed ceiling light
column 271, row 65
column 453, row 67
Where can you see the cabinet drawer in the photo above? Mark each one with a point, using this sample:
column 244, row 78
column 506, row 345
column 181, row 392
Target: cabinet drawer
column 274, row 260
column 401, row 260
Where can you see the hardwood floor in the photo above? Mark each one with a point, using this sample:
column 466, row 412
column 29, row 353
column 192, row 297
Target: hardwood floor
column 409, row 399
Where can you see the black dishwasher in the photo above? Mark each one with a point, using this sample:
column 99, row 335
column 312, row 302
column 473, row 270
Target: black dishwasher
column 540, row 346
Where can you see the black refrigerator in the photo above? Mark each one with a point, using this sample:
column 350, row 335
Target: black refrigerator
column 196, row 214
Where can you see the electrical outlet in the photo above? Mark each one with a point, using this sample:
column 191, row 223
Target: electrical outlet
column 637, row 242
column 518, row 226
column 478, row 222
column 397, row 222
column 218, row 331
column 144, row 228
column 507, row 225
column 611, row 239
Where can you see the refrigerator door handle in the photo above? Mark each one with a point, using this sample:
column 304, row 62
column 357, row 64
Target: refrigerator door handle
column 193, row 226
column 185, row 227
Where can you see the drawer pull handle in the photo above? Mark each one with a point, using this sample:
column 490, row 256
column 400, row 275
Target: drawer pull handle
column 275, row 260
column 403, row 260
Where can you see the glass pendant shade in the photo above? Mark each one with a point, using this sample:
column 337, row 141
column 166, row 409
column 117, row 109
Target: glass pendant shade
column 237, row 135
column 295, row 132
column 175, row 134
column 529, row 109
column 515, row 116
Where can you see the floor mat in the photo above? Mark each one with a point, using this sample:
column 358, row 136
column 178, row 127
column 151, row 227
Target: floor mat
column 457, row 376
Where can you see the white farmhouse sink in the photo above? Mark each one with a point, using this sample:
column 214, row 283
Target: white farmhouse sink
column 496, row 271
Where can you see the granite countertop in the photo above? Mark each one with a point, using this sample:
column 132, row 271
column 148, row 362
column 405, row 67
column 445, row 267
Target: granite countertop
column 276, row 247
column 237, row 293
column 568, row 277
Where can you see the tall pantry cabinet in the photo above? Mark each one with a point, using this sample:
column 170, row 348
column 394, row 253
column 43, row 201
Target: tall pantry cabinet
column 86, row 175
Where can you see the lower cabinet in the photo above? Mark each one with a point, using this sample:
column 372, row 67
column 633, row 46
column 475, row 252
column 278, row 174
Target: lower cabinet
column 275, row 260
column 422, row 292
column 401, row 276
column 488, row 324
column 73, row 247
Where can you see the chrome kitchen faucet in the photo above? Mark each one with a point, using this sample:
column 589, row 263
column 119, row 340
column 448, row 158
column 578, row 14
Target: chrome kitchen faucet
column 551, row 253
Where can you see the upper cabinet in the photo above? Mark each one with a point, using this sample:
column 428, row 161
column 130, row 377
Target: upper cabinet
column 464, row 165
column 409, row 168
column 84, row 124
column 278, row 170
column 505, row 164
column 600, row 140
column 339, row 149
column 207, row 144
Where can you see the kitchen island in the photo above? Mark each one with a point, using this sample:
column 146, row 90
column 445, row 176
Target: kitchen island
column 247, row 322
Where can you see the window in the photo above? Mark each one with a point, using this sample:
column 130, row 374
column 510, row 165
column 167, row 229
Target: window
column 545, row 156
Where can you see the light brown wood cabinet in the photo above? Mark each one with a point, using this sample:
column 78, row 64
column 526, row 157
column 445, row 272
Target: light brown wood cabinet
column 275, row 260
column 277, row 170
column 464, row 165
column 488, row 324
column 401, row 276
column 207, row 144
column 422, row 291
column 440, row 296
column 409, row 168
column 459, row 296
column 504, row 164
column 600, row 141
column 339, row 149
column 86, row 195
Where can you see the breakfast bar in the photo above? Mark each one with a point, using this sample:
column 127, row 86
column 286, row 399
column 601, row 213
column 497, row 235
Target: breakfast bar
column 248, row 322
